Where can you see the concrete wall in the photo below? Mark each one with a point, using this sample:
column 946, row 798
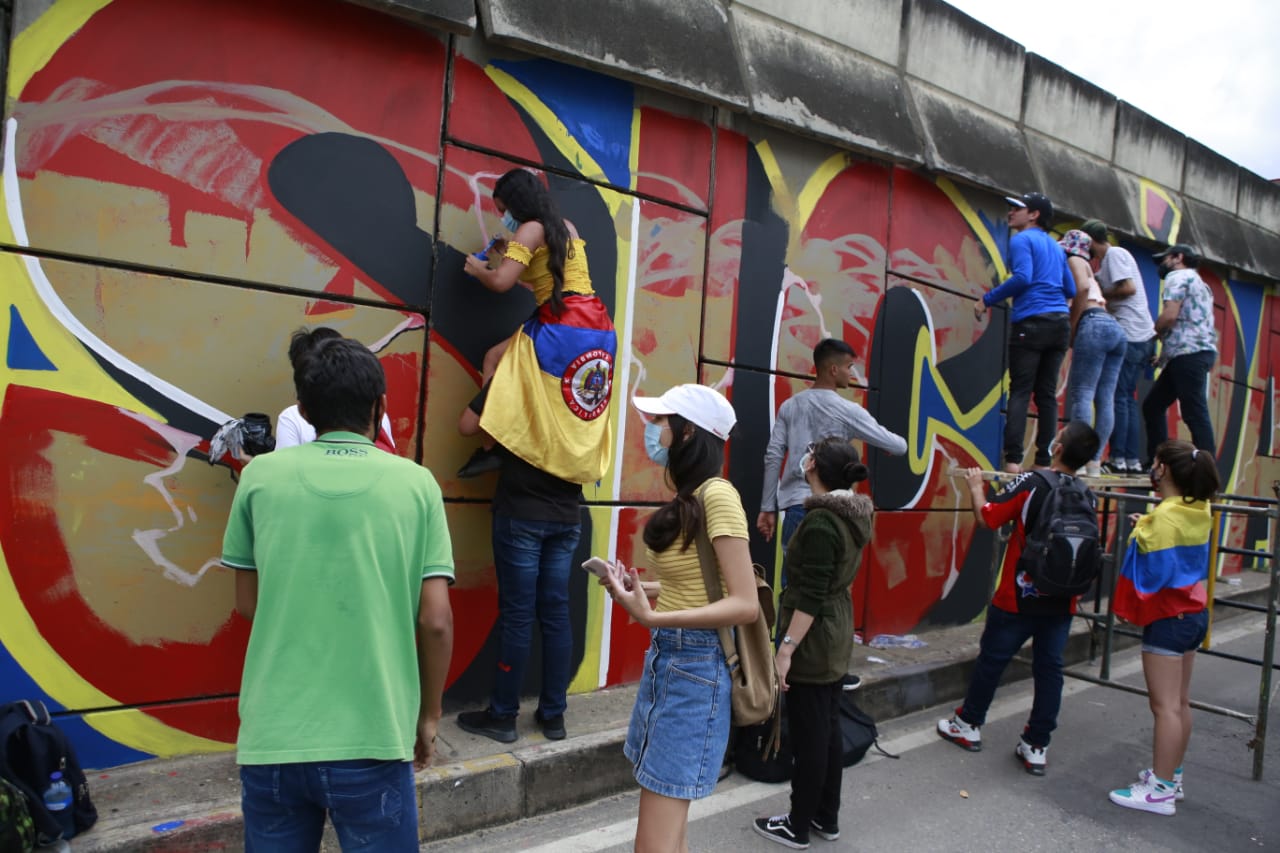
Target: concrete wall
column 172, row 214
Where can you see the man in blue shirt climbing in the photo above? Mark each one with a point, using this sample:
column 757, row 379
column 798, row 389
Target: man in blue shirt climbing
column 1041, row 286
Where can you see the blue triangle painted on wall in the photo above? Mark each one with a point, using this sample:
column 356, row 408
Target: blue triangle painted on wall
column 23, row 352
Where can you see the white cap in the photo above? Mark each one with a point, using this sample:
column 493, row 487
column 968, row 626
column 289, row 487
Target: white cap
column 698, row 404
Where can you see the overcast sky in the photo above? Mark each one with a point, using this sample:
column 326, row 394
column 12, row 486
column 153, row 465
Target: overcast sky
column 1208, row 69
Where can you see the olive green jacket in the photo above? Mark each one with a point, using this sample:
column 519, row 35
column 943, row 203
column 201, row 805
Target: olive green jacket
column 822, row 560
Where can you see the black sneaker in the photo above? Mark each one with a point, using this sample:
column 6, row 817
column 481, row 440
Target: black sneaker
column 485, row 723
column 779, row 829
column 481, row 462
column 850, row 681
column 1110, row 467
column 552, row 727
column 827, row 831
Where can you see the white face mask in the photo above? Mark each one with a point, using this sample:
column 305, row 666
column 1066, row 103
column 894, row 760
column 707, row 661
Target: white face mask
column 804, row 465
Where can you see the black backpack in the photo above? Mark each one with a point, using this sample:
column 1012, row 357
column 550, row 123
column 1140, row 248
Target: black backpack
column 32, row 748
column 1063, row 551
column 17, row 832
column 753, row 760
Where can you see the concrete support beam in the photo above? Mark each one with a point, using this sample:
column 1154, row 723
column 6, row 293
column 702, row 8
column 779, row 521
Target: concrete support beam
column 1217, row 234
column 1264, row 247
column 1259, row 201
column 1148, row 147
column 1211, row 177
column 963, row 140
column 684, row 47
column 1070, row 108
column 873, row 27
column 1080, row 186
column 820, row 89
column 957, row 53
column 455, row 16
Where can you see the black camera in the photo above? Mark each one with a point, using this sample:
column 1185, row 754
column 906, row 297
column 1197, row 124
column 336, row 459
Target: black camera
column 255, row 434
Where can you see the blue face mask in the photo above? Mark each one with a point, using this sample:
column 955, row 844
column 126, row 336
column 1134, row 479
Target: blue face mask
column 509, row 222
column 653, row 443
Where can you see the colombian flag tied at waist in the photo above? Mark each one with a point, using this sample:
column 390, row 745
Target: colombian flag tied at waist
column 548, row 401
column 1167, row 562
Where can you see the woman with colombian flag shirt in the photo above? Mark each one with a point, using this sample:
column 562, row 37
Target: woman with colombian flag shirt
column 1161, row 587
column 546, row 404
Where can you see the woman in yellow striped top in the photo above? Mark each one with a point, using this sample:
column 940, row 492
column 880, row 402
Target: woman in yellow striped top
column 680, row 724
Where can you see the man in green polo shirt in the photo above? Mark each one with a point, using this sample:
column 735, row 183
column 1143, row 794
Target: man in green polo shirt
column 342, row 556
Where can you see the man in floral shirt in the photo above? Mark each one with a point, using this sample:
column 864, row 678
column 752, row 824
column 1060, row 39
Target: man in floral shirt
column 1190, row 346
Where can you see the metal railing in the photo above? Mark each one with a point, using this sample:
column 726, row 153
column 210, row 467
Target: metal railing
column 1226, row 505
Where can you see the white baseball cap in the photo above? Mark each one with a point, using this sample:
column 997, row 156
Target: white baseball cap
column 698, row 404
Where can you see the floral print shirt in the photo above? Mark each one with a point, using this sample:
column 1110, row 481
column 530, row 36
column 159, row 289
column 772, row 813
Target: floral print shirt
column 1193, row 330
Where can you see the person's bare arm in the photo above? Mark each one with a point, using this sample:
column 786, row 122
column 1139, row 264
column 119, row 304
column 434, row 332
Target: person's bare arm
column 1080, row 302
column 739, row 606
column 246, row 593
column 977, row 493
column 1122, row 289
column 435, row 650
column 1168, row 316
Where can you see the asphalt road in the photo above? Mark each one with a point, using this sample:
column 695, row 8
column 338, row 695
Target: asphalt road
column 938, row 797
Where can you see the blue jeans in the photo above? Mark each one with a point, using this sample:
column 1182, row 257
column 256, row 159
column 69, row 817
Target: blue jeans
column 532, row 560
column 1037, row 346
column 1002, row 637
column 1184, row 379
column 372, row 804
column 1126, row 437
column 791, row 518
column 1096, row 358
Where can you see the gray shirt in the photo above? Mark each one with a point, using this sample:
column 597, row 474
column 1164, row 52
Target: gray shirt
column 811, row 415
column 1132, row 313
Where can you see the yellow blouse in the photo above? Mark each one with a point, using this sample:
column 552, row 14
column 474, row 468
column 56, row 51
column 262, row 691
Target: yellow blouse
column 679, row 571
column 536, row 273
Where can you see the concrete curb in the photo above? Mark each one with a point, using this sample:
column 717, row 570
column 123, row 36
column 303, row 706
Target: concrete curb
column 541, row 776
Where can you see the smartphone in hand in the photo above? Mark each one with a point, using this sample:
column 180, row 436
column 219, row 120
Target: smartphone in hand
column 597, row 567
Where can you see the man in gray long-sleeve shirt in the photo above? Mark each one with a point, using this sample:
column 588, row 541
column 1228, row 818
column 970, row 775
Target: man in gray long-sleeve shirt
column 813, row 414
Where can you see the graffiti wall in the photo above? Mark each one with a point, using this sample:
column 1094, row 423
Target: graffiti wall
column 172, row 214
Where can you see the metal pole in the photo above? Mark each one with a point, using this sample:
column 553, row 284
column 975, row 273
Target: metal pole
column 1215, row 527
column 1118, row 550
column 1269, row 651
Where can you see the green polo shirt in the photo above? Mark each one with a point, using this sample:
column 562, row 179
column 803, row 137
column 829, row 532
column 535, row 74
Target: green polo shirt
column 342, row 536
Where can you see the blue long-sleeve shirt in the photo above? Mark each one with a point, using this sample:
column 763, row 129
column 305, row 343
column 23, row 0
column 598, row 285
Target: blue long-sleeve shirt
column 1041, row 282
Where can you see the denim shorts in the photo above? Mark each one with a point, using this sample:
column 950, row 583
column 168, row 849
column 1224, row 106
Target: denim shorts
column 1174, row 636
column 680, row 724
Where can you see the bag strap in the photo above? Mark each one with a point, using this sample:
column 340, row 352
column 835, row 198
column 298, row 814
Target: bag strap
column 710, row 566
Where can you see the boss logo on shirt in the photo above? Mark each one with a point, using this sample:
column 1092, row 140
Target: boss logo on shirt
column 346, row 451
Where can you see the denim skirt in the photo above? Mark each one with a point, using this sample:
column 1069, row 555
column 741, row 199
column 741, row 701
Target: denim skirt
column 680, row 724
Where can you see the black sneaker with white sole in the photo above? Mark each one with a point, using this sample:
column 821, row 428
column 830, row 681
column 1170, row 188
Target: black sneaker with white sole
column 850, row 682
column 779, row 829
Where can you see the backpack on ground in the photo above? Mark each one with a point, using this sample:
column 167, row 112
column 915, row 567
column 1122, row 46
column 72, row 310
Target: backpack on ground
column 858, row 731
column 32, row 749
column 1063, row 550
column 748, row 649
column 17, row 832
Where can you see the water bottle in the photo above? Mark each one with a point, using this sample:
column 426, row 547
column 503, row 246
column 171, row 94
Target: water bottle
column 57, row 799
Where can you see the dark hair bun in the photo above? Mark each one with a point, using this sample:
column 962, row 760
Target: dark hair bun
column 854, row 472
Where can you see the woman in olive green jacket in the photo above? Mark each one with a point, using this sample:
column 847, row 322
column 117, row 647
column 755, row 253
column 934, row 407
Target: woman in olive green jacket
column 816, row 626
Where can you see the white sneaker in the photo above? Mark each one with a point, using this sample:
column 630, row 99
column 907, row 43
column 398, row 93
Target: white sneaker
column 1151, row 795
column 961, row 733
column 1032, row 757
column 1149, row 774
column 1093, row 469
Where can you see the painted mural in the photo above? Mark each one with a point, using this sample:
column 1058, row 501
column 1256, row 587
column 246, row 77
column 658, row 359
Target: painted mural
column 172, row 215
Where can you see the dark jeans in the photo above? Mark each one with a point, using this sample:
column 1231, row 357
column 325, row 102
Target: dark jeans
column 1002, row 637
column 791, row 518
column 1037, row 346
column 813, row 717
column 1184, row 379
column 372, row 804
column 532, row 560
column 1126, row 436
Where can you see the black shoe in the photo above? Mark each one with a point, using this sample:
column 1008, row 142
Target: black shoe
column 552, row 727
column 1110, row 467
column 850, row 682
column 481, row 462
column 827, row 831
column 779, row 829
column 485, row 723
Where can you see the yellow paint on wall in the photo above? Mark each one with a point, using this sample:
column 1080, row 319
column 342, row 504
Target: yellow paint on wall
column 1144, row 187
column 976, row 224
column 918, row 461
